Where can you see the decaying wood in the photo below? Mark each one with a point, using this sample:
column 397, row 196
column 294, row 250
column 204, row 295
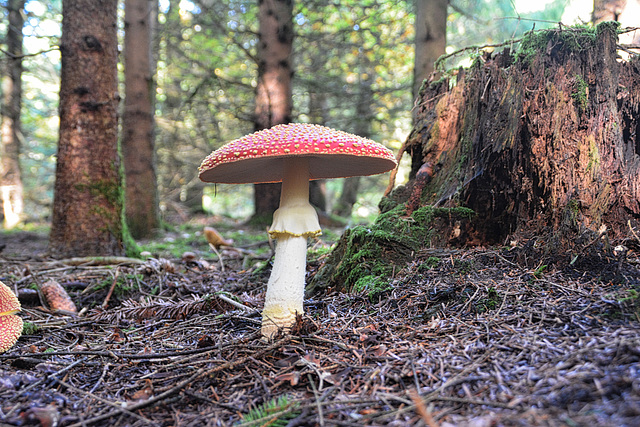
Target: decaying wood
column 546, row 145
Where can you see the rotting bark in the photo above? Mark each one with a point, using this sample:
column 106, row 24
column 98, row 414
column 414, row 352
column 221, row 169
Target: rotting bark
column 543, row 143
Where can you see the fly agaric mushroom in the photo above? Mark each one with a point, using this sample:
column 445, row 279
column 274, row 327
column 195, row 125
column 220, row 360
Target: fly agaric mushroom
column 293, row 154
column 10, row 324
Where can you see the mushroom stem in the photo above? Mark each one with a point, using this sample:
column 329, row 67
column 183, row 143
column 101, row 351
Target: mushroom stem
column 295, row 216
column 295, row 182
column 285, row 289
column 293, row 222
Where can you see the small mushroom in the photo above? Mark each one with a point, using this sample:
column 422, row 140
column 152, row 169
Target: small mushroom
column 214, row 238
column 10, row 324
column 293, row 154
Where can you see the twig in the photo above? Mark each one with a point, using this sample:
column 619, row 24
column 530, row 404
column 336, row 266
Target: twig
column 26, row 55
column 105, row 369
column 106, row 260
column 234, row 303
column 475, row 402
column 317, row 400
column 443, row 58
column 118, row 355
column 421, row 409
column 213, row 248
column 105, row 303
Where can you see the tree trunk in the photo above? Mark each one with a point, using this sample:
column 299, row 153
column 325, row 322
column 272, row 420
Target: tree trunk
column 10, row 179
column 273, row 93
column 364, row 113
column 318, row 194
column 348, row 196
column 141, row 196
column 88, row 193
column 546, row 145
column 318, row 115
column 431, row 38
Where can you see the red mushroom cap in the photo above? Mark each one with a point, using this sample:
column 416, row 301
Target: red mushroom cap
column 10, row 324
column 10, row 331
column 9, row 303
column 259, row 157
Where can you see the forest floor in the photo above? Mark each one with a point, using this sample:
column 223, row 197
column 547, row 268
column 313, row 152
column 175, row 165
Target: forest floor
column 461, row 338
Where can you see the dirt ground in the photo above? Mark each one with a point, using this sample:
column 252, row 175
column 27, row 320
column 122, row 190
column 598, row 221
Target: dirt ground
column 461, row 338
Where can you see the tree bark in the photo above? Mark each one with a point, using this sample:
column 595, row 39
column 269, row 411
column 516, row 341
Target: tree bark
column 141, row 195
column 88, row 195
column 273, row 93
column 431, row 38
column 318, row 115
column 544, row 146
column 11, row 177
column 364, row 113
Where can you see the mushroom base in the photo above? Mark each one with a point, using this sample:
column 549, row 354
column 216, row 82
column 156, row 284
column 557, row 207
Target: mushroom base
column 285, row 289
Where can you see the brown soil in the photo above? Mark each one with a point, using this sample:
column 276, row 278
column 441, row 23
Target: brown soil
column 464, row 337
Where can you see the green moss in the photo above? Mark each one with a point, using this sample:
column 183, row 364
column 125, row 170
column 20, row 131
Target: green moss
column 131, row 248
column 430, row 263
column 107, row 189
column 29, row 328
column 317, row 252
column 572, row 213
column 443, row 79
column 612, row 27
column 574, row 39
column 491, row 302
column 593, row 165
column 386, row 204
column 374, row 286
column 366, row 254
column 580, row 93
column 463, row 266
column 123, row 284
column 112, row 192
column 477, row 60
column 175, row 247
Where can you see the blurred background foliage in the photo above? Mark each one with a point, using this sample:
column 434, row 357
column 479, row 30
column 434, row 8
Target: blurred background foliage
column 206, row 77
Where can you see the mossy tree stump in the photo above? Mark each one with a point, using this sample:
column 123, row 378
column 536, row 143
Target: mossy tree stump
column 541, row 143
